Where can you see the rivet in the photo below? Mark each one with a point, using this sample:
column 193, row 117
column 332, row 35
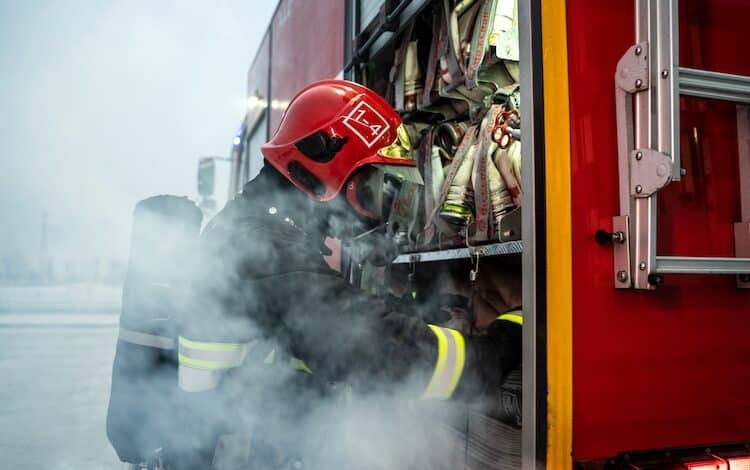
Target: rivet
column 638, row 189
column 642, row 266
column 664, row 73
column 638, row 83
column 638, row 155
column 638, row 50
column 622, row 276
column 272, row 210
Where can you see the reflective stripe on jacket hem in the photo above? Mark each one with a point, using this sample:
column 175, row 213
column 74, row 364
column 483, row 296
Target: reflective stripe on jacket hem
column 449, row 365
column 145, row 339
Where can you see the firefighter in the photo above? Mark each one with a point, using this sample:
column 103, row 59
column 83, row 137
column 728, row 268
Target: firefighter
column 272, row 327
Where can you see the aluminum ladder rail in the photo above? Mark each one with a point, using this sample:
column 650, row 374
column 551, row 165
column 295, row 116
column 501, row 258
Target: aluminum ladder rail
column 648, row 84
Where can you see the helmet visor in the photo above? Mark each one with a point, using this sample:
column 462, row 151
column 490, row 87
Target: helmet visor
column 401, row 148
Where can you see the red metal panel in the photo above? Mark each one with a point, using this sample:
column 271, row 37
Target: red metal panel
column 257, row 82
column 307, row 44
column 665, row 368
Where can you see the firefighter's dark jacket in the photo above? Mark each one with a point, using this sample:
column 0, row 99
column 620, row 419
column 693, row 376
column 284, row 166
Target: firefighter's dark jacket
column 266, row 290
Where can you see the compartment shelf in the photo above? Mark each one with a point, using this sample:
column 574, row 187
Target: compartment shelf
column 493, row 249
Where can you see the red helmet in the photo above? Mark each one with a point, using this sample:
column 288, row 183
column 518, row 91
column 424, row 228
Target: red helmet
column 330, row 129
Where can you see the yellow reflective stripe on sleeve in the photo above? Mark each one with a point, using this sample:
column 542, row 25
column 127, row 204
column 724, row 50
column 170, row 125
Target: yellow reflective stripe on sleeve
column 460, row 360
column 212, row 356
column 202, row 364
column 511, row 317
column 206, row 364
column 210, row 346
column 440, row 365
column 449, row 365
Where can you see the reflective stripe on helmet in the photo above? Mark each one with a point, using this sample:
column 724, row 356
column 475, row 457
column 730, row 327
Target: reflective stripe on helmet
column 201, row 363
column 450, row 363
column 514, row 317
column 145, row 339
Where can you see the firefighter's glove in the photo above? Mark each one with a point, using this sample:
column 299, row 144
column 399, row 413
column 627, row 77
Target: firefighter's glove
column 490, row 358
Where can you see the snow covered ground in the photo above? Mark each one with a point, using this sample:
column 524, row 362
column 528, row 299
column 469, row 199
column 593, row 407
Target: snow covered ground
column 56, row 350
column 57, row 298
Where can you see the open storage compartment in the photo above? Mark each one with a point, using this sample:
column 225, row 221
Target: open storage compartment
column 452, row 70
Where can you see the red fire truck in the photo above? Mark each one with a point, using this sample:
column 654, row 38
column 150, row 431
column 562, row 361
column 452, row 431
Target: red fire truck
column 635, row 239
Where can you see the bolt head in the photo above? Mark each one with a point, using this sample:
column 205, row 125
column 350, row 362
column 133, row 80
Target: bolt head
column 622, row 276
column 638, row 50
column 655, row 279
column 638, row 189
column 664, row 73
column 639, row 155
column 638, row 83
column 642, row 266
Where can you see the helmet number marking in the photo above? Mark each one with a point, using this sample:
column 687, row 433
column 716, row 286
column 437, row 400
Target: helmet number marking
column 366, row 123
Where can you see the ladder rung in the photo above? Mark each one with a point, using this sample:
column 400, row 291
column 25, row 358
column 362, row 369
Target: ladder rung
column 688, row 265
column 714, row 85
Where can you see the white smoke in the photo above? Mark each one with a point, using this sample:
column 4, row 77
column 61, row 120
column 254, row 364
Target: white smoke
column 361, row 419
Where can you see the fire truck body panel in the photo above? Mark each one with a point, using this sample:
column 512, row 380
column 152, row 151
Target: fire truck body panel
column 644, row 369
column 246, row 158
column 258, row 91
column 663, row 368
column 291, row 55
column 307, row 44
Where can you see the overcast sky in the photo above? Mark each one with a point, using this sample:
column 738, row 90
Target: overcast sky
column 104, row 103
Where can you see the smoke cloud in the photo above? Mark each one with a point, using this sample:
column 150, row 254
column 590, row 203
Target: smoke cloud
column 106, row 103
column 358, row 413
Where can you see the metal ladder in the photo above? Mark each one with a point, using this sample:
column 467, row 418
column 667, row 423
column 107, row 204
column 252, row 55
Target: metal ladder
column 648, row 84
